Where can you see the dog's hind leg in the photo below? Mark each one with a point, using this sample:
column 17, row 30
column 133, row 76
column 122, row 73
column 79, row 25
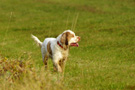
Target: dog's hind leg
column 44, row 56
column 54, row 68
column 45, row 60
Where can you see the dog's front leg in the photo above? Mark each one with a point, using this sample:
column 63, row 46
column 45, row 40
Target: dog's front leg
column 62, row 64
column 56, row 64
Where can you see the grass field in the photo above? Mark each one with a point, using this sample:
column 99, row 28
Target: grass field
column 105, row 59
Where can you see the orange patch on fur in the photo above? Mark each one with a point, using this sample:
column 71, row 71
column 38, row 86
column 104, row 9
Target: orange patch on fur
column 66, row 37
column 63, row 38
column 69, row 35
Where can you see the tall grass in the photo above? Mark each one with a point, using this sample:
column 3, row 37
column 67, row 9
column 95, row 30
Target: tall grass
column 22, row 75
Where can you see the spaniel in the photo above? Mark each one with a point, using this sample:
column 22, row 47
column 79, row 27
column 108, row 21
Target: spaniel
column 57, row 48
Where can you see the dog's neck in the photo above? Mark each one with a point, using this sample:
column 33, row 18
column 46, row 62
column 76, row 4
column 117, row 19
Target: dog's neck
column 64, row 47
column 59, row 44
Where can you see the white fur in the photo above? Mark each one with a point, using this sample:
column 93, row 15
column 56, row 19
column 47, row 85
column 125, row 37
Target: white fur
column 38, row 42
column 58, row 53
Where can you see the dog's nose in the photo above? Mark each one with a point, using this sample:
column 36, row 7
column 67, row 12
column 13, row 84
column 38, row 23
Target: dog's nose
column 79, row 38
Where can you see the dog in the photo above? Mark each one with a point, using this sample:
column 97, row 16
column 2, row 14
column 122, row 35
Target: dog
column 57, row 48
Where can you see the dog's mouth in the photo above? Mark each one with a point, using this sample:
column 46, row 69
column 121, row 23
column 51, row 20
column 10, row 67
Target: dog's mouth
column 74, row 44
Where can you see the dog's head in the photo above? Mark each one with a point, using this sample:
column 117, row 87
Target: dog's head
column 68, row 38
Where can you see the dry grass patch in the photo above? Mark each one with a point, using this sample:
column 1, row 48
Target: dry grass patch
column 16, row 74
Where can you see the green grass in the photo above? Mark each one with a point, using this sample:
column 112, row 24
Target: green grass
column 105, row 59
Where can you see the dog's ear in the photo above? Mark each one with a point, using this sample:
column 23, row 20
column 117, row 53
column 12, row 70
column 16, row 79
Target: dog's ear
column 66, row 41
column 64, row 38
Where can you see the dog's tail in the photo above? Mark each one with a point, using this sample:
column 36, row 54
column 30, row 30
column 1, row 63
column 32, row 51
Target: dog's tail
column 38, row 42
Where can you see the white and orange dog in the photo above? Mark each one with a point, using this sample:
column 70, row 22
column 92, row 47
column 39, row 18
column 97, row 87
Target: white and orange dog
column 57, row 48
